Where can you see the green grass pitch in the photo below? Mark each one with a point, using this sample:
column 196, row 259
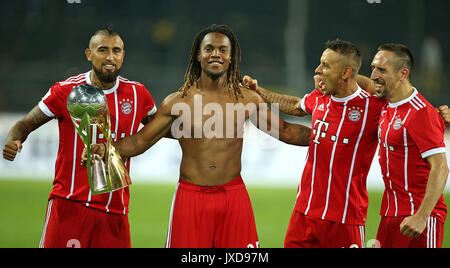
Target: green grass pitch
column 23, row 204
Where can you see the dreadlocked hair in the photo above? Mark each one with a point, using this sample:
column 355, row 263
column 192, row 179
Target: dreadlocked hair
column 234, row 77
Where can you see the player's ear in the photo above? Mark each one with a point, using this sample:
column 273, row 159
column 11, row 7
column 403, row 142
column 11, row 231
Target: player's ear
column 404, row 73
column 347, row 73
column 88, row 54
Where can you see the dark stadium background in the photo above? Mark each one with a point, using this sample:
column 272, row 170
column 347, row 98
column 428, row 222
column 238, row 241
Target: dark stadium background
column 43, row 41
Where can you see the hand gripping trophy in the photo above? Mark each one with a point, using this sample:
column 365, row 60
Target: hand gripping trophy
column 88, row 107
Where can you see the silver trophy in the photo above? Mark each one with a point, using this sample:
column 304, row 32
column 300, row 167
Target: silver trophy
column 88, row 107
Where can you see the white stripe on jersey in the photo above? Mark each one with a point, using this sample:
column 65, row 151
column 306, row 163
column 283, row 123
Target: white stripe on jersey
column 152, row 111
column 364, row 94
column 169, row 231
column 115, row 139
column 405, row 140
column 135, row 110
column 332, row 159
column 131, row 133
column 307, row 155
column 416, row 104
column 72, row 184
column 122, row 79
column 433, row 152
column 47, row 217
column 419, row 101
column 74, row 80
column 314, row 162
column 405, row 144
column 363, row 128
column 387, row 164
column 431, row 232
column 362, row 232
column 44, row 108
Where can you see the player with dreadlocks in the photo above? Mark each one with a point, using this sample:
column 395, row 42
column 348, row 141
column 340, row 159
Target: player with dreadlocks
column 211, row 207
column 194, row 71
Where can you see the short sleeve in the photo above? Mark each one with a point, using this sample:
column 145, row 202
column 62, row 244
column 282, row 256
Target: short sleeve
column 149, row 104
column 53, row 103
column 427, row 131
column 309, row 102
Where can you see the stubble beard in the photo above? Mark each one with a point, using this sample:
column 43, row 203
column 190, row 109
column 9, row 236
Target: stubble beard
column 214, row 76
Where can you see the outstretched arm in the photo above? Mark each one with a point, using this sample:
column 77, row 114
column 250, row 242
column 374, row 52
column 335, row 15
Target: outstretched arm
column 150, row 134
column 140, row 142
column 20, row 131
column 287, row 104
column 269, row 122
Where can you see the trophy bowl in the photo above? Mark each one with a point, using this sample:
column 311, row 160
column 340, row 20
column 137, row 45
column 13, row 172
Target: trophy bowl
column 86, row 99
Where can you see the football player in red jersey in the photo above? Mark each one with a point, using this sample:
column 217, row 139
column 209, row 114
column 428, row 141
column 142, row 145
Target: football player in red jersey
column 332, row 201
column 211, row 206
column 412, row 156
column 325, row 84
column 75, row 217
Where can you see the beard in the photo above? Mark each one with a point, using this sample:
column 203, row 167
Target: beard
column 106, row 77
column 214, row 76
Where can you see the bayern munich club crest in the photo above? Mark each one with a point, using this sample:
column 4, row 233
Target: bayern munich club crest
column 355, row 114
column 398, row 124
column 126, row 106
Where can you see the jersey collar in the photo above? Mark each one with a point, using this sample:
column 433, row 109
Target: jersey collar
column 397, row 104
column 348, row 98
column 108, row 91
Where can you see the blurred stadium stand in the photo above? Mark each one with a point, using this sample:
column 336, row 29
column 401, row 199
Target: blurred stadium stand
column 43, row 41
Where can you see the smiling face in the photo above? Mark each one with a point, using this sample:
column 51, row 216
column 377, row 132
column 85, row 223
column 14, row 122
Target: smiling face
column 215, row 55
column 386, row 78
column 106, row 53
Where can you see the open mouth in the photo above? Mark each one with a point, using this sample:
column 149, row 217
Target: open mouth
column 379, row 86
column 110, row 67
column 215, row 63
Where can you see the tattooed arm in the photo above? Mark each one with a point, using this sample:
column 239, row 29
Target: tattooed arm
column 19, row 133
column 287, row 104
column 270, row 123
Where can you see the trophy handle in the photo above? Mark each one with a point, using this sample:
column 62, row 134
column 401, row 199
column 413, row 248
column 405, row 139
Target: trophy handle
column 83, row 129
column 99, row 179
column 118, row 173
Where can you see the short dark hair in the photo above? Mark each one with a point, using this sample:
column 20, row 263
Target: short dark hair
column 234, row 77
column 108, row 30
column 348, row 49
column 403, row 55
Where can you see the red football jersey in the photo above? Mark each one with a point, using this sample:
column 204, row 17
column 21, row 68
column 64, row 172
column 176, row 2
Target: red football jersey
column 410, row 131
column 343, row 145
column 129, row 103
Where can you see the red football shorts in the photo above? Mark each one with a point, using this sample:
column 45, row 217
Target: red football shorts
column 310, row 232
column 212, row 217
column 69, row 224
column 389, row 235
